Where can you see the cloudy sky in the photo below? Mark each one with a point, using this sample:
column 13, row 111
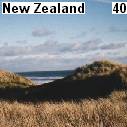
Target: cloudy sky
column 58, row 42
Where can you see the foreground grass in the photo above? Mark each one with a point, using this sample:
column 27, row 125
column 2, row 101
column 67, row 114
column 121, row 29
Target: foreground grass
column 108, row 112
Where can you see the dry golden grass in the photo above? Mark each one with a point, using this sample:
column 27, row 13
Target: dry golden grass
column 9, row 79
column 99, row 68
column 110, row 112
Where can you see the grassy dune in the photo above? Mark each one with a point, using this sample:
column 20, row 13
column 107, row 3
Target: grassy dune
column 95, row 95
column 8, row 79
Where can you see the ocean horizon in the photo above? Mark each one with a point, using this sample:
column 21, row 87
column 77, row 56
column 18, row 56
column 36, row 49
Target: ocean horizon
column 41, row 77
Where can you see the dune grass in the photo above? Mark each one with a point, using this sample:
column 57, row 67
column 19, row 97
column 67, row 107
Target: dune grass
column 110, row 112
column 9, row 79
column 97, row 68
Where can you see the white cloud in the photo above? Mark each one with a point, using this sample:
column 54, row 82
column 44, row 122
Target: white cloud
column 53, row 55
column 117, row 29
column 41, row 32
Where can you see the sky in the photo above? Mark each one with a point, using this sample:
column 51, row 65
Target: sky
column 62, row 42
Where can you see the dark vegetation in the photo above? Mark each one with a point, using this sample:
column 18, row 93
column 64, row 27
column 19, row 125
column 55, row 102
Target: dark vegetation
column 98, row 79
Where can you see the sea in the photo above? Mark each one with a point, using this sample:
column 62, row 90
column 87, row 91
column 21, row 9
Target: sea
column 41, row 77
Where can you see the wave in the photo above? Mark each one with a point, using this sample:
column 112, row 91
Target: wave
column 41, row 80
column 40, row 77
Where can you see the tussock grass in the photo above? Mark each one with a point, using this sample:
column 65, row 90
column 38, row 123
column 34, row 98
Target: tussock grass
column 110, row 112
column 97, row 68
column 8, row 79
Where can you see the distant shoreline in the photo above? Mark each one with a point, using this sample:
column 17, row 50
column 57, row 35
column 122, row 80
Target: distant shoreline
column 46, row 73
column 40, row 77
